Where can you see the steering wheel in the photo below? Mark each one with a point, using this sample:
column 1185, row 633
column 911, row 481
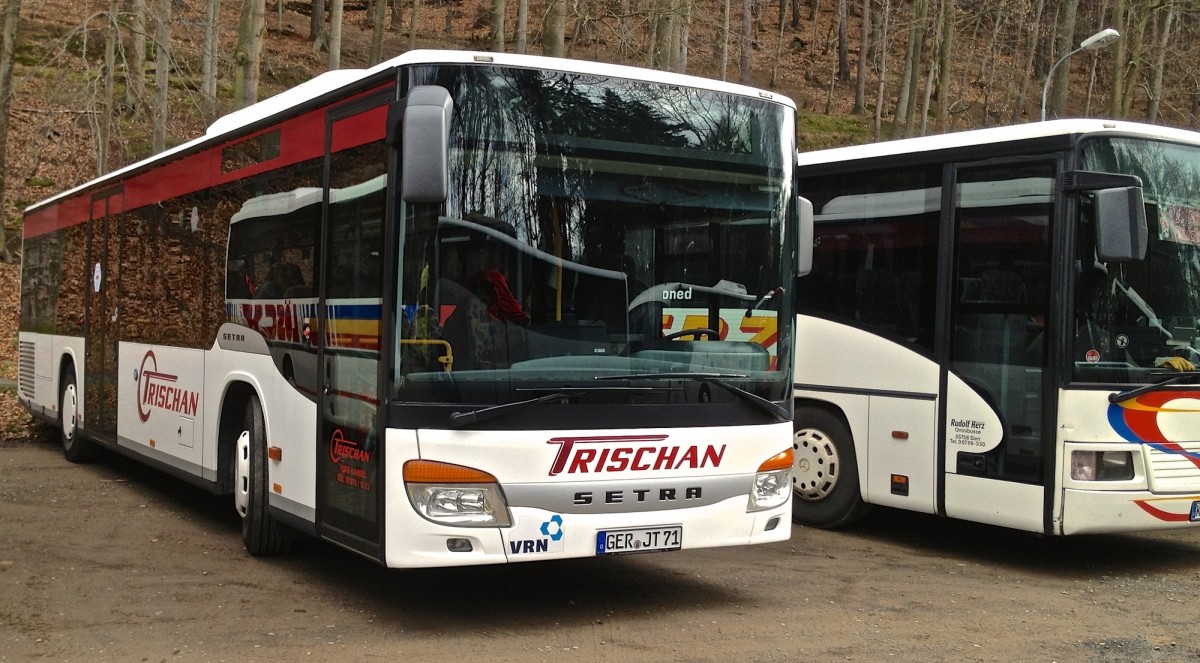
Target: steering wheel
column 712, row 334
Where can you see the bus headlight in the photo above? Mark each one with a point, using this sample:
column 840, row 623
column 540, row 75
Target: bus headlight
column 772, row 483
column 1101, row 465
column 455, row 495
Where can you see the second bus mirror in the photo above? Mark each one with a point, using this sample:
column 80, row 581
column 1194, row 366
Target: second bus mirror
column 804, row 237
column 1121, row 233
column 425, row 148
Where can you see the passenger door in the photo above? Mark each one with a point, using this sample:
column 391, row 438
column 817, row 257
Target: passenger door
column 996, row 393
column 104, row 248
column 350, row 448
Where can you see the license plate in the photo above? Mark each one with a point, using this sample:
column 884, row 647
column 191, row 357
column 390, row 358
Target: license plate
column 639, row 540
column 1194, row 516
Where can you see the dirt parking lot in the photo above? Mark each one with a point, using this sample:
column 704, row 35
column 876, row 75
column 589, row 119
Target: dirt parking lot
column 113, row 561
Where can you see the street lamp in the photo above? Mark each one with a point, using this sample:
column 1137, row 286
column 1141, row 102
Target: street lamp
column 1094, row 43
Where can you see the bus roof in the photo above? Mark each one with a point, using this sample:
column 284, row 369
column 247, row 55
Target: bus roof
column 332, row 81
column 994, row 135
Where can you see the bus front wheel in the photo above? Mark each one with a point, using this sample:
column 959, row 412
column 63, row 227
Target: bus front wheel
column 260, row 532
column 75, row 448
column 825, row 485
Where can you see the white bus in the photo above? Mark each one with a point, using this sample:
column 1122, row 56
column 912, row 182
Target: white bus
column 459, row 308
column 1000, row 338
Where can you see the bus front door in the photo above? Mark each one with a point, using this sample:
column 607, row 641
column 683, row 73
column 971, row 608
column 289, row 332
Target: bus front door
column 996, row 398
column 100, row 364
column 350, row 454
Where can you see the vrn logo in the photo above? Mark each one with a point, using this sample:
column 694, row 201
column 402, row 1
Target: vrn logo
column 551, row 539
column 677, row 295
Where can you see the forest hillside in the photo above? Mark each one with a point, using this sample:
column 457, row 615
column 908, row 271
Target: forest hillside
column 860, row 70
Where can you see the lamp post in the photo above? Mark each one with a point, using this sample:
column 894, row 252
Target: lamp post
column 1094, row 43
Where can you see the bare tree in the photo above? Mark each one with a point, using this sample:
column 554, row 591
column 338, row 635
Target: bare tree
column 162, row 74
column 1065, row 43
column 208, row 76
column 725, row 41
column 378, row 17
column 554, row 27
column 316, row 26
column 499, row 11
column 135, row 88
column 412, row 22
column 1164, row 40
column 8, row 39
column 523, row 26
column 335, row 34
column 747, row 42
column 247, row 56
column 1032, row 27
column 945, row 62
column 864, row 49
column 104, row 122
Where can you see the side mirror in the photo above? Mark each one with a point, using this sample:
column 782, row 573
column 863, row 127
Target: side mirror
column 426, row 145
column 804, row 237
column 1121, row 233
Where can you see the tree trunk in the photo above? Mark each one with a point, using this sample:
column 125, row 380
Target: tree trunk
column 864, row 49
column 1066, row 42
column 247, row 55
column 208, row 76
column 554, row 28
column 316, row 25
column 104, row 128
column 1032, row 29
column 8, row 38
column 747, row 44
column 945, row 61
column 1156, row 86
column 883, row 51
column 778, row 47
column 499, row 11
column 725, row 12
column 922, row 14
column 162, row 75
column 412, row 22
column 379, row 14
column 335, row 34
column 523, row 26
column 912, row 59
column 135, row 76
column 1119, row 60
column 843, row 47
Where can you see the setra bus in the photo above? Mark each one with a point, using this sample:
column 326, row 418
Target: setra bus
column 1009, row 328
column 458, row 308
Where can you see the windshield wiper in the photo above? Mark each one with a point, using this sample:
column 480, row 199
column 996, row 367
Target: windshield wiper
column 460, row 419
column 773, row 409
column 1175, row 378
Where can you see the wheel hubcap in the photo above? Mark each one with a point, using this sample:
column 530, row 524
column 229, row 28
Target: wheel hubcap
column 815, row 470
column 70, row 407
column 241, row 477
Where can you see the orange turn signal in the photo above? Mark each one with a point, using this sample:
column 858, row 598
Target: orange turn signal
column 429, row 471
column 780, row 461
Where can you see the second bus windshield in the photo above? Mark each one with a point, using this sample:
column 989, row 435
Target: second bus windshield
column 596, row 227
column 1132, row 318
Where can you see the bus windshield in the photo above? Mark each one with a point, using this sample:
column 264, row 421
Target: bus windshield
column 605, row 240
column 1138, row 319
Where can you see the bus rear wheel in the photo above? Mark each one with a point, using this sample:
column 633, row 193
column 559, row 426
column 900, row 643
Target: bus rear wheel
column 75, row 448
column 260, row 532
column 825, row 484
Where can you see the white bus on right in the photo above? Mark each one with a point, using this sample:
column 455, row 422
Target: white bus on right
column 1002, row 326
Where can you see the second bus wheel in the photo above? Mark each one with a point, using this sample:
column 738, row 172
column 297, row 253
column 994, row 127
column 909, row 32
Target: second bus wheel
column 75, row 448
column 260, row 532
column 825, row 484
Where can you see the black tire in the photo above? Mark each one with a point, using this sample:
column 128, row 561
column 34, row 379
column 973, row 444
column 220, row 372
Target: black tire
column 75, row 447
column 260, row 532
column 825, row 488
